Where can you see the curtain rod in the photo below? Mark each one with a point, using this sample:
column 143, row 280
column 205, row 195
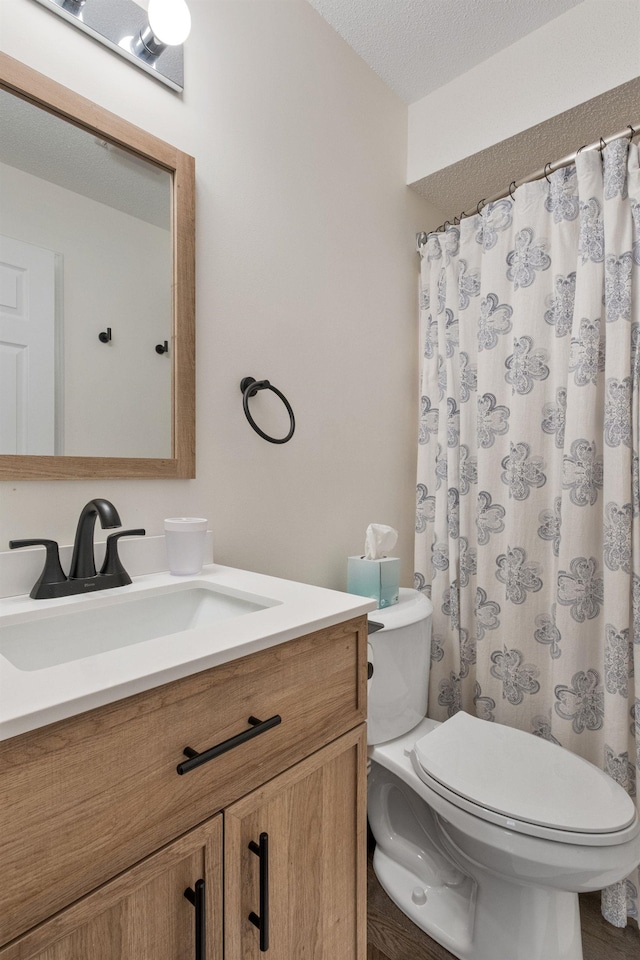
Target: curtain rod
column 421, row 238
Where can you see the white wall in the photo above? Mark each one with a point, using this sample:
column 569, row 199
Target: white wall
column 306, row 275
column 122, row 282
column 586, row 51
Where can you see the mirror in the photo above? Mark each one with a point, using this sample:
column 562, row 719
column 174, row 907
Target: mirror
column 96, row 290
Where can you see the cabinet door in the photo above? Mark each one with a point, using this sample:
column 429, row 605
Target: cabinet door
column 314, row 886
column 142, row 914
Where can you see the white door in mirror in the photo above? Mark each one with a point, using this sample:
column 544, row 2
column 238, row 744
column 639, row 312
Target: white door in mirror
column 27, row 348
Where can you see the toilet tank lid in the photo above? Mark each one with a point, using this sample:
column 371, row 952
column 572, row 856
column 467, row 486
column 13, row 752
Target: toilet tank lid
column 522, row 776
column 410, row 608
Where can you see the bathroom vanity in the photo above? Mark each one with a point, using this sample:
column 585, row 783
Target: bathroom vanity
column 108, row 851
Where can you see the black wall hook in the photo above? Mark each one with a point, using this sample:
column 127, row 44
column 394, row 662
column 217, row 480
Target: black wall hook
column 249, row 387
column 162, row 347
column 105, row 336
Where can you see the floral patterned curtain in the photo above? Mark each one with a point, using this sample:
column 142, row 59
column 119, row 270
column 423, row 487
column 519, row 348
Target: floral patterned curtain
column 528, row 526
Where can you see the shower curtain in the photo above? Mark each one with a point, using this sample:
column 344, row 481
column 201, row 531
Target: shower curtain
column 528, row 503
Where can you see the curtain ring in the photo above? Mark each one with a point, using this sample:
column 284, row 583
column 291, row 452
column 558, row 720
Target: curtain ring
column 580, row 149
column 446, row 224
column 512, row 188
column 479, row 205
column 545, row 172
column 633, row 132
column 603, row 144
column 463, row 214
column 456, row 221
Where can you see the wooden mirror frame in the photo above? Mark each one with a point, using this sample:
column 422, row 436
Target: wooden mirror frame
column 45, row 93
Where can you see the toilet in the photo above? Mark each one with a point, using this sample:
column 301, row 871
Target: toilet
column 484, row 834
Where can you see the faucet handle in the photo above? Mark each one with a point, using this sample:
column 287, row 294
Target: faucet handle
column 52, row 572
column 112, row 565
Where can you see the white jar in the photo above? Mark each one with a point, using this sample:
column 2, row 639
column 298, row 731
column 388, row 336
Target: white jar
column 185, row 538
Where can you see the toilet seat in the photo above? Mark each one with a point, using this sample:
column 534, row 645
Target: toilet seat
column 504, row 776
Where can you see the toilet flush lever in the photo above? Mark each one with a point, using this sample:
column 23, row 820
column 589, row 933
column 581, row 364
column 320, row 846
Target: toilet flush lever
column 370, row 668
column 372, row 627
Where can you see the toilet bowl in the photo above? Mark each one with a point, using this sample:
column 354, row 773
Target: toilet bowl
column 484, row 834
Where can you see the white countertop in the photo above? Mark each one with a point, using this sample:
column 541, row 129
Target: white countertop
column 31, row 698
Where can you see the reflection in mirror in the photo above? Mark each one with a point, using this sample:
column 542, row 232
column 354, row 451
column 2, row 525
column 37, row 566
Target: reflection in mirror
column 96, row 271
column 85, row 241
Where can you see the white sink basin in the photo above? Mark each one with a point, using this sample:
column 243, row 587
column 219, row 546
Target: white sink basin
column 62, row 657
column 114, row 621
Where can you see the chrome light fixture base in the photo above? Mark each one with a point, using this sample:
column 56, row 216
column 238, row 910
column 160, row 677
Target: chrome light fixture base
column 120, row 25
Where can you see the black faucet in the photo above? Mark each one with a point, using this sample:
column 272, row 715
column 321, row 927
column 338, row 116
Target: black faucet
column 82, row 562
column 82, row 574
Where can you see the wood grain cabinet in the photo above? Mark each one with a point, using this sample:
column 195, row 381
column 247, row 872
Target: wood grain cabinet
column 101, row 836
column 309, row 824
column 142, row 913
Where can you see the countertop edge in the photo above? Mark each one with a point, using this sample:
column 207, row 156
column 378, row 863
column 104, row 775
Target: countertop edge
column 21, row 713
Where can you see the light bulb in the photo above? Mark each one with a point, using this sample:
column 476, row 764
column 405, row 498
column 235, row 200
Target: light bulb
column 170, row 21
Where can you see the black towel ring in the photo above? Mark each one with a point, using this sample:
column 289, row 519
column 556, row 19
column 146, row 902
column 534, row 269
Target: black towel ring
column 249, row 387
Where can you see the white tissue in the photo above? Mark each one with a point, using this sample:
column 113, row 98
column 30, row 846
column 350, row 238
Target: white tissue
column 379, row 539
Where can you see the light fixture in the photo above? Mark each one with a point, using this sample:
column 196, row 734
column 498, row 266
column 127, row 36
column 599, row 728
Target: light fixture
column 170, row 20
column 169, row 25
column 152, row 41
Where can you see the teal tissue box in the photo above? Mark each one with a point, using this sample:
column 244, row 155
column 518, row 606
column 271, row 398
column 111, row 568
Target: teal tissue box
column 378, row 579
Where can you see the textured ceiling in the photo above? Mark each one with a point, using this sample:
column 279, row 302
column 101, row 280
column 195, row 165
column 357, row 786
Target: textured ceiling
column 416, row 46
column 81, row 162
column 462, row 185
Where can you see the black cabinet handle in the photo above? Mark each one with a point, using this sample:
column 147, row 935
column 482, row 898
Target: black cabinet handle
column 262, row 922
column 197, row 898
column 196, row 759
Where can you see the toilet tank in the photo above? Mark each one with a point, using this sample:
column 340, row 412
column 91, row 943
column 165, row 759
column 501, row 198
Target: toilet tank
column 401, row 657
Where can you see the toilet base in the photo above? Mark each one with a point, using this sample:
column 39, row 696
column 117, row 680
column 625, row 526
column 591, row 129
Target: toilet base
column 547, row 925
column 446, row 914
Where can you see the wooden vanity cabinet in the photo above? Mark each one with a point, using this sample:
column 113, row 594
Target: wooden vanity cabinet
column 314, row 818
column 143, row 912
column 100, row 837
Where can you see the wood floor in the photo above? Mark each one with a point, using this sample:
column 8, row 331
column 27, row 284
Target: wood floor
column 392, row 936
